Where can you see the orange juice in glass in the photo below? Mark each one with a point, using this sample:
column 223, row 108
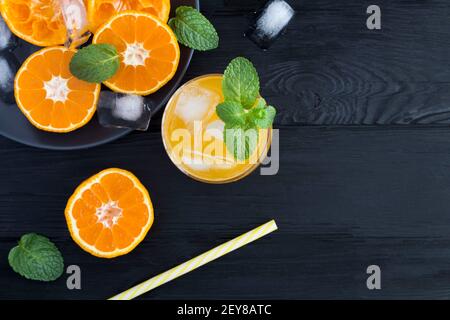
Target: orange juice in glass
column 193, row 134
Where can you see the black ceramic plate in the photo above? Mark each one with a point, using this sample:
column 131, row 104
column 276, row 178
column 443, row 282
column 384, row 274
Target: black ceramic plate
column 15, row 126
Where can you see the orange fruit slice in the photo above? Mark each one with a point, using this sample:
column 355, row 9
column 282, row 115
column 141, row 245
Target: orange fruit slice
column 38, row 22
column 100, row 11
column 50, row 96
column 149, row 52
column 109, row 214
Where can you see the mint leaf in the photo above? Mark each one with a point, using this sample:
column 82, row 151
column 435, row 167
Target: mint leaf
column 260, row 103
column 232, row 113
column 241, row 82
column 95, row 63
column 36, row 258
column 193, row 29
column 263, row 117
column 241, row 141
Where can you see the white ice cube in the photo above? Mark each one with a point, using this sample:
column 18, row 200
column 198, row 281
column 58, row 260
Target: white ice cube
column 74, row 13
column 5, row 35
column 203, row 162
column 6, row 76
column 196, row 103
column 274, row 18
column 76, row 21
column 215, row 129
column 195, row 164
column 128, row 107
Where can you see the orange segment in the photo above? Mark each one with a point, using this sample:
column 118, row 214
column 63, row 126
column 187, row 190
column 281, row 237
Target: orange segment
column 110, row 213
column 38, row 22
column 49, row 96
column 100, row 11
column 149, row 52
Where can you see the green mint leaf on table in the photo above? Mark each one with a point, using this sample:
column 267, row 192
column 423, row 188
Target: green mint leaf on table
column 241, row 141
column 232, row 113
column 95, row 63
column 193, row 30
column 36, row 258
column 241, row 82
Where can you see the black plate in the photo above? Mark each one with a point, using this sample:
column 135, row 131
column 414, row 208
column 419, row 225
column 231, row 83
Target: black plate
column 15, row 126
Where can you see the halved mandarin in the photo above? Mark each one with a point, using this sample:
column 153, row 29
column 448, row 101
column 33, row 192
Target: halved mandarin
column 149, row 52
column 38, row 22
column 50, row 96
column 100, row 11
column 110, row 213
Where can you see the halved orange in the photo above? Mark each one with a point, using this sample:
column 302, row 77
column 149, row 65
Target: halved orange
column 149, row 52
column 50, row 96
column 38, row 22
column 100, row 11
column 110, row 213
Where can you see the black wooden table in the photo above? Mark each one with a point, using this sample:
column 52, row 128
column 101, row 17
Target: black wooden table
column 364, row 175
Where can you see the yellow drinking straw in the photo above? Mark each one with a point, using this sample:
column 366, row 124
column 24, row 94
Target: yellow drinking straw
column 197, row 262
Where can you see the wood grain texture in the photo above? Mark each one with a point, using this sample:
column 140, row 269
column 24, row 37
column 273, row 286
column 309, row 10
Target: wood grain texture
column 344, row 198
column 330, row 69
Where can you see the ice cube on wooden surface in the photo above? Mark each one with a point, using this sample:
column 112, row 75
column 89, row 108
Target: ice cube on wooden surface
column 269, row 23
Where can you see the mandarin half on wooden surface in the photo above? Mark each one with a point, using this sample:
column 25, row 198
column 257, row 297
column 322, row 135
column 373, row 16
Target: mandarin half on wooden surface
column 110, row 213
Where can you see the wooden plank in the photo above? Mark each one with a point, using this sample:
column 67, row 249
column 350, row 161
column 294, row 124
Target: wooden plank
column 330, row 69
column 344, row 198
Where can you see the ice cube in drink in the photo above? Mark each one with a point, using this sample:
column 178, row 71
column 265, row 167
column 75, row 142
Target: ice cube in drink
column 194, row 104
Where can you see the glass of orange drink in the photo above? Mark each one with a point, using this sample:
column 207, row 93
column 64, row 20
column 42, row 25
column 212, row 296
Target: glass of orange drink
column 193, row 134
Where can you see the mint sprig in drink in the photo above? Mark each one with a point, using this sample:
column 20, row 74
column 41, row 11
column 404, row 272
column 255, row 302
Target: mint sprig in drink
column 217, row 128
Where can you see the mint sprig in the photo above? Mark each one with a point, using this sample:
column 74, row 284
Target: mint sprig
column 36, row 258
column 241, row 82
column 193, row 29
column 95, row 63
column 243, row 111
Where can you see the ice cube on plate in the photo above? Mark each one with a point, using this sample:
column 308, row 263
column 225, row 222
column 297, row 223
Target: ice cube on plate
column 76, row 21
column 195, row 104
column 269, row 23
column 123, row 111
column 129, row 107
column 8, row 69
column 7, row 39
